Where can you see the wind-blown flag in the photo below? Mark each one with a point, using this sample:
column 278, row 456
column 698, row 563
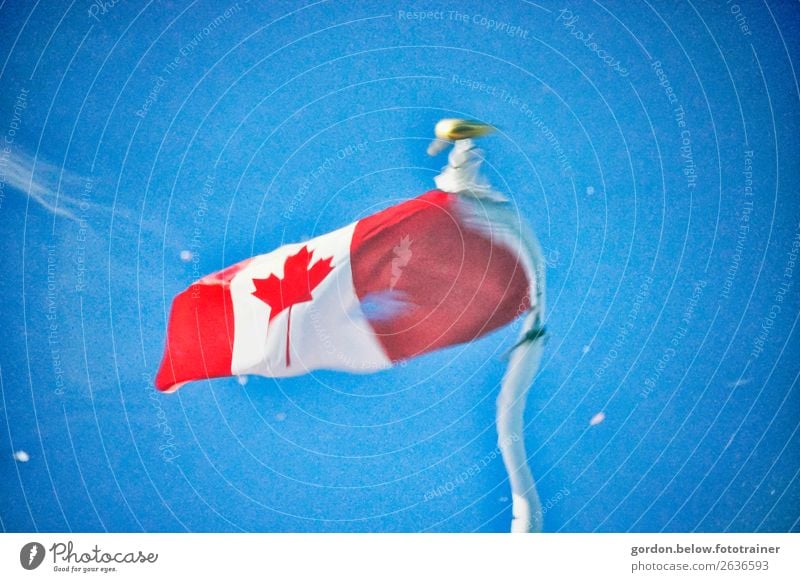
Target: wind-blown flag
column 427, row 273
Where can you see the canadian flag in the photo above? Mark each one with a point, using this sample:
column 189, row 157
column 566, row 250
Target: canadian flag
column 425, row 274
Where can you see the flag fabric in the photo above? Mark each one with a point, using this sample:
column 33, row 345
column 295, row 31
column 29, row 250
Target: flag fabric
column 424, row 274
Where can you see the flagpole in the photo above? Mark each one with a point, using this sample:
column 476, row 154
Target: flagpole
column 490, row 211
column 522, row 368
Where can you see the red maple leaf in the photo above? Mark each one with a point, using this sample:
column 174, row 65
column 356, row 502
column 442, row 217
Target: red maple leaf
column 296, row 286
